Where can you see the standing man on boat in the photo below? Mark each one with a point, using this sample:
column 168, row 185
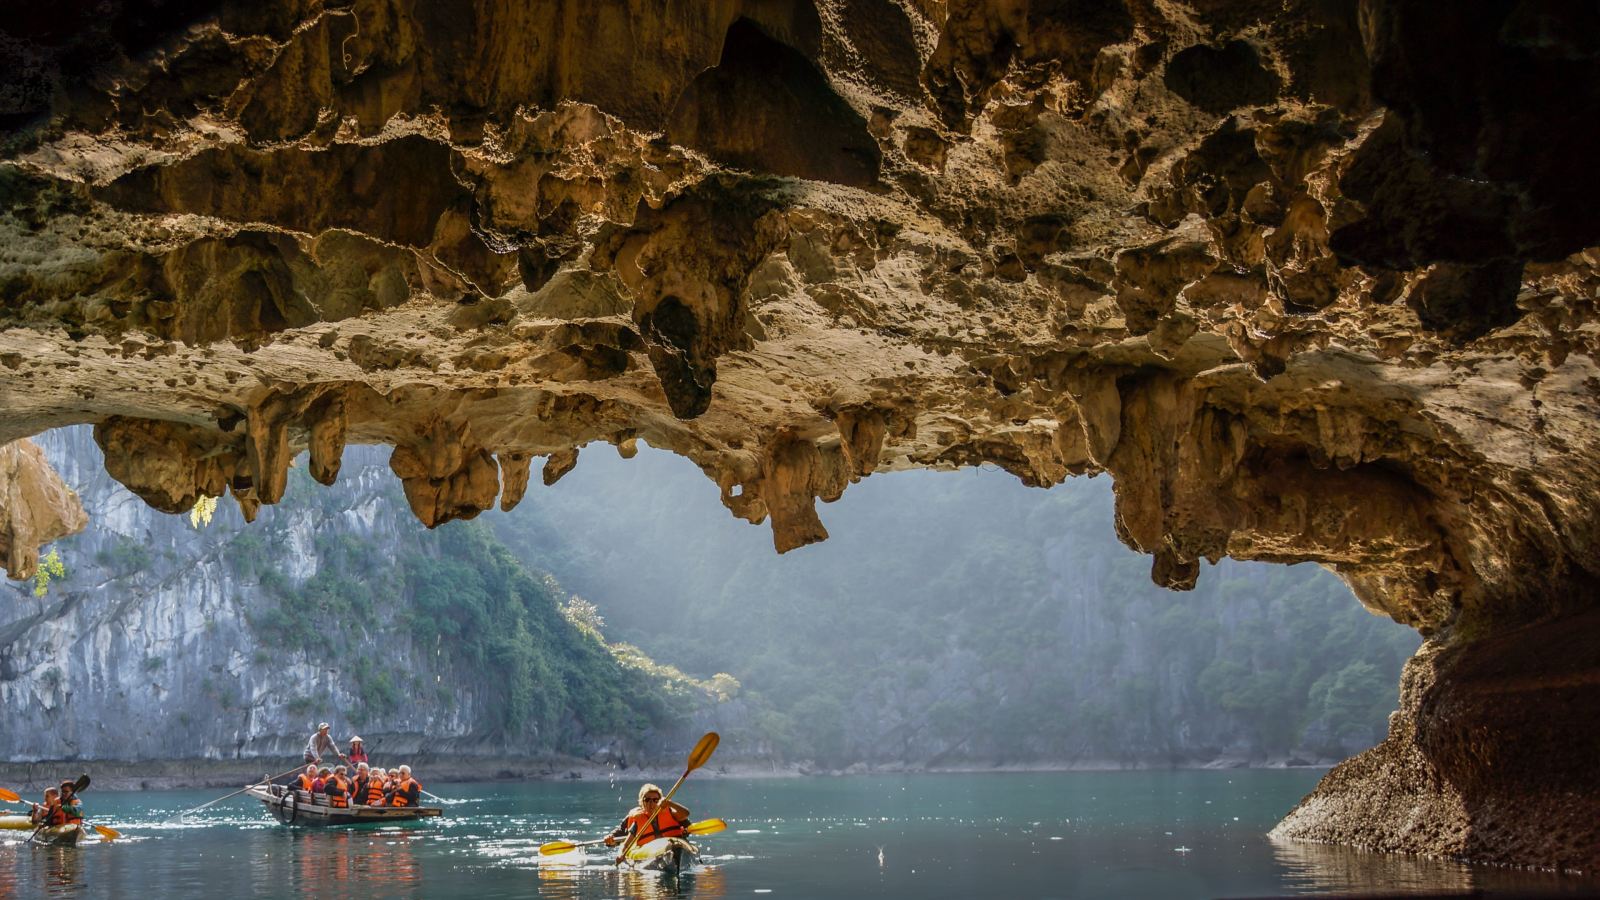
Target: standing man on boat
column 319, row 742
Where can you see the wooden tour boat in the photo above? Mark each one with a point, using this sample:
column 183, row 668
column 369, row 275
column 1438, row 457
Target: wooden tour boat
column 296, row 807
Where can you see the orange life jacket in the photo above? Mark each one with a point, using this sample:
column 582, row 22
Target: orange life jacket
column 402, row 791
column 71, row 815
column 51, row 815
column 304, row 782
column 338, row 791
column 375, row 793
column 666, row 824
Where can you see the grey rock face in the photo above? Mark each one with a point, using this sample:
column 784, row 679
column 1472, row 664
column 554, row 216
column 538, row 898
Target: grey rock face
column 150, row 648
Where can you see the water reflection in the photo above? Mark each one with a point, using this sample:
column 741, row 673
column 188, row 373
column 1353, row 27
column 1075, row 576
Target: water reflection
column 1348, row 870
column 572, row 882
column 345, row 862
column 63, row 871
column 1329, row 867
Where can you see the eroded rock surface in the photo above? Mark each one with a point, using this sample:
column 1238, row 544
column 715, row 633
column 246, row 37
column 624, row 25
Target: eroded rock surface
column 36, row 507
column 1313, row 280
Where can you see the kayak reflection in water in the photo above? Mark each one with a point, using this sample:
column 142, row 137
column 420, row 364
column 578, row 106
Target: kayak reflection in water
column 670, row 820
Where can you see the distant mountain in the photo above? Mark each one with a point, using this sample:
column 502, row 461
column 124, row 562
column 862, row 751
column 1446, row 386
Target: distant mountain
column 959, row 618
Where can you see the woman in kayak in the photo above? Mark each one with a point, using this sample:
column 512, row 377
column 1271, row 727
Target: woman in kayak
column 671, row 820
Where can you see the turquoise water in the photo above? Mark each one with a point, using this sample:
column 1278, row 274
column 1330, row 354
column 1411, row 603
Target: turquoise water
column 1077, row 834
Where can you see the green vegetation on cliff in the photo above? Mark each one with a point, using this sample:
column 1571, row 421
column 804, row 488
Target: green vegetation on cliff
column 403, row 611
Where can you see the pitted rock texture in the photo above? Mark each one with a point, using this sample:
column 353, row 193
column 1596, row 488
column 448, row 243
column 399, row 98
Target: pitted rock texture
column 1312, row 280
column 36, row 507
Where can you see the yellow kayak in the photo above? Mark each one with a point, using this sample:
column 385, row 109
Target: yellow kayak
column 59, row 834
column 667, row 855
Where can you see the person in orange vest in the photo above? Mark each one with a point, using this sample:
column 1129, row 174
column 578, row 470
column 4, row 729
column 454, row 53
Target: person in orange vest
column 49, row 812
column 71, row 806
column 337, row 787
column 375, row 789
column 406, row 789
column 306, row 780
column 358, row 784
column 672, row 819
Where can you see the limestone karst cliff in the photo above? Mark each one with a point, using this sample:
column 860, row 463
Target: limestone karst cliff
column 168, row 641
column 1313, row 280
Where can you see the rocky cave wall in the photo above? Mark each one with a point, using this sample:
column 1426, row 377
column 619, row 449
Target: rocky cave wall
column 1313, row 280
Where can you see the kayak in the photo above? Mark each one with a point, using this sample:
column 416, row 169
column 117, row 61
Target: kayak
column 666, row 855
column 60, row 835
column 64, row 835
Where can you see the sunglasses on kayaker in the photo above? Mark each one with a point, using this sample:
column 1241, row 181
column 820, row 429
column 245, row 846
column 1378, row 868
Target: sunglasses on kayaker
column 652, row 799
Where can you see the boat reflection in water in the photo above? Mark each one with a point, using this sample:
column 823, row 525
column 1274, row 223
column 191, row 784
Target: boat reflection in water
column 63, row 871
column 343, row 863
column 1338, row 869
column 61, row 868
column 567, row 882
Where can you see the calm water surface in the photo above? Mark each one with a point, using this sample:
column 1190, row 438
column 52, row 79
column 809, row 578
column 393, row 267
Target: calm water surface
column 1078, row 834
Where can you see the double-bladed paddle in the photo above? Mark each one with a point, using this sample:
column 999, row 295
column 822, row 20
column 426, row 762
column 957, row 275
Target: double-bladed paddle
column 78, row 787
column 705, row 826
column 697, row 757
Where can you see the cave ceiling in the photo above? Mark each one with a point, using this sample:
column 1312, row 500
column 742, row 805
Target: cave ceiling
column 1312, row 280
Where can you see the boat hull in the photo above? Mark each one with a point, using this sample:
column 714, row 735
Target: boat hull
column 668, row 856
column 300, row 809
column 61, row 835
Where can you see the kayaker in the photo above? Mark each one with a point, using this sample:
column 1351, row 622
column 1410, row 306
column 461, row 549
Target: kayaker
column 406, row 789
column 358, row 752
column 71, row 806
column 49, row 812
column 319, row 742
column 670, row 821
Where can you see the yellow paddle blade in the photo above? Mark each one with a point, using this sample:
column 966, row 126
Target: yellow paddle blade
column 9, row 796
column 707, row 826
column 703, row 750
column 109, row 834
column 555, row 847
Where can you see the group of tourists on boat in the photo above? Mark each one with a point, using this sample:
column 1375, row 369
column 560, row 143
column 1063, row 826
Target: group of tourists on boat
column 355, row 782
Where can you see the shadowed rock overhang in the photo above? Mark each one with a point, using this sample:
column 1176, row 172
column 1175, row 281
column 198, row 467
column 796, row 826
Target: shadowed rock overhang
column 1312, row 280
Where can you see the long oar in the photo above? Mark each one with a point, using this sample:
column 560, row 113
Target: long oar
column 697, row 758
column 705, row 826
column 269, row 780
